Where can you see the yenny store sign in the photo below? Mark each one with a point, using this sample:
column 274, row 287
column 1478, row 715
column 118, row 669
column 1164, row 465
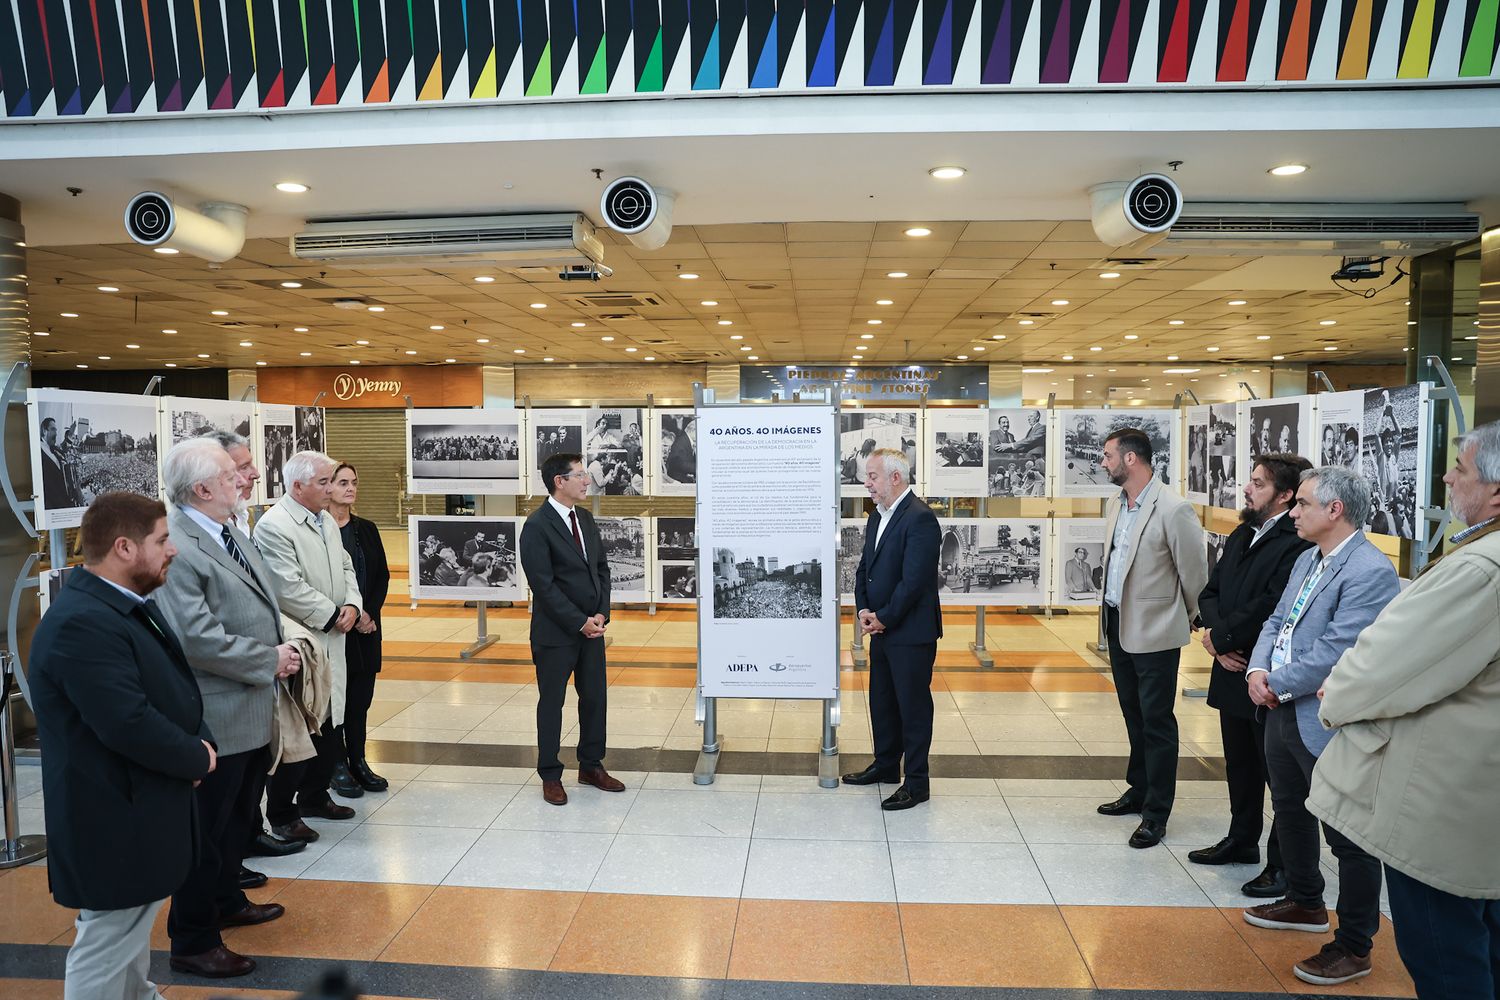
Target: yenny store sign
column 371, row 387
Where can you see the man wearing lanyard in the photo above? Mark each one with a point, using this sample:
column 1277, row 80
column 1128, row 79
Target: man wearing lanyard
column 1336, row 589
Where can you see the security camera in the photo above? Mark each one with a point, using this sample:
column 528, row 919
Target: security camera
column 1360, row 268
column 584, row 272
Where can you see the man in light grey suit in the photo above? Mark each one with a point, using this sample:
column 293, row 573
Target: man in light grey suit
column 1337, row 588
column 315, row 585
column 219, row 601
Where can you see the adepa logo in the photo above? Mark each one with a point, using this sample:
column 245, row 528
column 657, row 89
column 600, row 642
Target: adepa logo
column 344, row 386
column 742, row 668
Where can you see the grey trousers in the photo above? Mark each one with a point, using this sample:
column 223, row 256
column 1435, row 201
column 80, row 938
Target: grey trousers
column 111, row 955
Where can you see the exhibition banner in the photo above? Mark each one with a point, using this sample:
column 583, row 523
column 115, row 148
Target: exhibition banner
column 767, row 531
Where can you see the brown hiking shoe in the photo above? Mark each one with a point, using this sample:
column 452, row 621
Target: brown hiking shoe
column 1333, row 965
column 1285, row 915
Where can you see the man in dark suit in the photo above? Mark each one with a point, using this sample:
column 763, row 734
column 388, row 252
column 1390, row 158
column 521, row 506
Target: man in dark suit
column 121, row 721
column 1242, row 592
column 55, row 492
column 896, row 592
column 565, row 565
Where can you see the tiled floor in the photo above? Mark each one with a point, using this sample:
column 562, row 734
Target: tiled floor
column 999, row 882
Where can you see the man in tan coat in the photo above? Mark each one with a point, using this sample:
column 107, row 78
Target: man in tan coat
column 1413, row 772
column 1155, row 566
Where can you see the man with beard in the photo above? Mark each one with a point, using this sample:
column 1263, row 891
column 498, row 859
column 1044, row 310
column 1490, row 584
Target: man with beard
column 1242, row 591
column 1155, row 567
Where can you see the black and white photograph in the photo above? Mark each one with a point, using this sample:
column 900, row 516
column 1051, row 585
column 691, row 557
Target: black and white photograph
column 1084, row 433
column 862, row 432
column 1017, row 477
column 1222, row 452
column 1080, row 559
column 992, row 561
column 184, row 418
column 625, row 550
column 87, row 443
column 955, row 452
column 464, row 451
column 1018, row 434
column 679, row 583
column 1393, row 433
column 551, row 432
column 614, row 452
column 851, row 547
column 274, row 444
column 1280, row 426
column 1341, row 428
column 465, row 558
column 308, row 429
column 677, row 446
column 767, row 581
column 1197, row 454
column 1213, row 544
column 676, row 559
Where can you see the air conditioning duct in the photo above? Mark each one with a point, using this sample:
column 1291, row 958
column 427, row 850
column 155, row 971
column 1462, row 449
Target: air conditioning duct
column 642, row 213
column 1135, row 213
column 549, row 240
column 1325, row 230
column 215, row 232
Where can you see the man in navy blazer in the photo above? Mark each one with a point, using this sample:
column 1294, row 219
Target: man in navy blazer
column 1337, row 588
column 896, row 592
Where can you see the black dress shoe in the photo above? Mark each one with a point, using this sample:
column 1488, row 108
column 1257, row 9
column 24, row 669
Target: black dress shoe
column 220, row 963
column 251, row 880
column 904, row 798
column 1148, row 834
column 368, row 779
column 265, row 845
column 1123, row 806
column 297, row 831
column 870, row 776
column 327, row 810
column 1269, row 884
column 1226, row 852
column 343, row 783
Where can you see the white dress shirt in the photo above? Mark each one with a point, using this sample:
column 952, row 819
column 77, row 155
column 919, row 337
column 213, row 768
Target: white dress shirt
column 566, row 513
column 1119, row 550
column 885, row 515
column 1265, row 528
column 215, row 529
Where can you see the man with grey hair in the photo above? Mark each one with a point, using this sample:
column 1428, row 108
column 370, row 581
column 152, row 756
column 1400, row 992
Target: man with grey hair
column 219, row 601
column 896, row 592
column 1336, row 589
column 244, row 466
column 315, row 585
column 1410, row 772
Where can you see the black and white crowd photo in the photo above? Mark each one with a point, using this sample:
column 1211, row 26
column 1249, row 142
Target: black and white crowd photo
column 190, row 418
column 614, row 452
column 992, row 557
column 465, row 451
column 677, row 446
column 863, row 431
column 465, row 557
column 89, row 444
column 1222, row 455
column 624, row 541
column 1391, row 453
column 1084, row 433
column 767, row 581
column 276, row 447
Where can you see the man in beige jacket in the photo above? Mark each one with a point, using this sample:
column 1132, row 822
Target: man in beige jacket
column 1155, row 566
column 1413, row 772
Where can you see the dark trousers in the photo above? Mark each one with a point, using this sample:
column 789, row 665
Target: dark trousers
column 584, row 662
column 228, row 799
column 1450, row 944
column 1245, row 771
column 1289, row 765
column 901, row 708
column 305, row 782
column 1146, row 684
column 358, row 695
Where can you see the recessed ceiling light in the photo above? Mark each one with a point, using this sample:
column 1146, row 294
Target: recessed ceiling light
column 219, row 312
column 709, row 302
column 745, row 347
column 688, row 276
column 1110, row 274
column 874, row 322
column 1028, row 322
column 867, row 336
column 354, row 361
column 1262, row 336
column 1171, row 357
column 411, row 352
column 246, row 343
column 1236, row 302
column 80, row 366
column 1288, row 170
column 1175, row 322
column 204, row 356
column 862, row 347
column 884, row 302
column 998, row 336
column 477, row 340
column 108, row 288
column 1328, row 322
column 377, row 309
column 652, row 357
column 260, row 364
column 978, row 348
column 46, row 333
column 895, row 274
column 169, row 331
column 1330, row 347
column 549, row 359
column 166, row 251
column 171, row 364
column 519, row 350
column 450, row 361
column 291, row 284
column 437, row 326
column 1278, row 357
column 963, row 357
column 298, row 329
column 1096, row 348
column 363, row 343
column 539, row 305
column 1060, row 302
column 630, row 350
column 736, row 336
column 1132, row 336
column 68, row 315
column 1472, row 337
column 919, row 231
column 292, row 187
column 104, row 357
column 1212, row 350
column 578, row 324
column 947, row 173
column 607, row 339
column 726, row 322
column 484, row 279
column 1035, row 371
column 305, row 354
column 1067, row 357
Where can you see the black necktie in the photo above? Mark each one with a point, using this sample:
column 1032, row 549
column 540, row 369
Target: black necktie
column 154, row 619
column 234, row 551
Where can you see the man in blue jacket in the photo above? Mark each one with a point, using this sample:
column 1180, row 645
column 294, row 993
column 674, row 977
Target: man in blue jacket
column 896, row 592
column 1337, row 588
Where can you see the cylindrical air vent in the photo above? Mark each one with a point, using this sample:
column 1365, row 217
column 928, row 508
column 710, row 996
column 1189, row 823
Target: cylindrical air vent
column 216, row 232
column 1127, row 213
column 633, row 207
column 149, row 218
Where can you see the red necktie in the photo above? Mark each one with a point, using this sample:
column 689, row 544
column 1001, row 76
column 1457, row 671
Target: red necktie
column 577, row 538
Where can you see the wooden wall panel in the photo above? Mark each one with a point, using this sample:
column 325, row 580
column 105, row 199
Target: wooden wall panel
column 374, row 386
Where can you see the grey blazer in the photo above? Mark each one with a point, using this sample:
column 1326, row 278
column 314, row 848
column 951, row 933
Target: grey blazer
column 229, row 626
column 1357, row 585
column 1166, row 568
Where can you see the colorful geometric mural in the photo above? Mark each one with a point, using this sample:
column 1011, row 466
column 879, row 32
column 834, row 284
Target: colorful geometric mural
column 119, row 57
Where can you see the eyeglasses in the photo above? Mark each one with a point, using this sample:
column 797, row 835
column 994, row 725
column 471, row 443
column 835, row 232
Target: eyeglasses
column 572, row 475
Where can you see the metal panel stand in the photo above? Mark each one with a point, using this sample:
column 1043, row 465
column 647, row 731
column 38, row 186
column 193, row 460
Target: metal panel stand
column 482, row 640
column 15, row 850
column 828, row 756
column 708, row 757
column 984, row 656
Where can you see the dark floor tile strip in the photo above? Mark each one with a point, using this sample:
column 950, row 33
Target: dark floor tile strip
column 518, row 661
column 766, row 762
column 453, row 983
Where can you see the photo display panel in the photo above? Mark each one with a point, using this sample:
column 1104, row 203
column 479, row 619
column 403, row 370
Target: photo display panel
column 464, row 451
column 1083, row 436
column 862, row 432
column 1223, row 454
column 676, row 560
column 1017, row 452
column 84, row 444
column 464, row 558
column 955, row 454
column 183, row 418
column 768, row 628
column 851, row 548
column 1080, row 561
column 551, row 432
column 614, row 451
column 1196, row 476
column 993, row 560
column 624, row 541
column 676, row 435
column 275, row 442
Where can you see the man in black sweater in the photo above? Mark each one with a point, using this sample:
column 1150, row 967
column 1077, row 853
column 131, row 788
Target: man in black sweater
column 1242, row 592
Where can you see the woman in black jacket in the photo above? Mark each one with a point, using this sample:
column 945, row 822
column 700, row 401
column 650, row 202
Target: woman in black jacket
column 362, row 644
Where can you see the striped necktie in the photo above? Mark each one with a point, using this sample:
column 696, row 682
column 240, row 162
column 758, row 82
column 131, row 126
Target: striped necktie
column 234, row 551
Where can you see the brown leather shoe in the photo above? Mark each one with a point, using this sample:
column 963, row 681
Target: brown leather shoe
column 326, row 810
column 1286, row 915
column 1333, row 965
column 296, row 830
column 553, row 792
column 220, row 963
column 600, row 779
column 255, row 913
